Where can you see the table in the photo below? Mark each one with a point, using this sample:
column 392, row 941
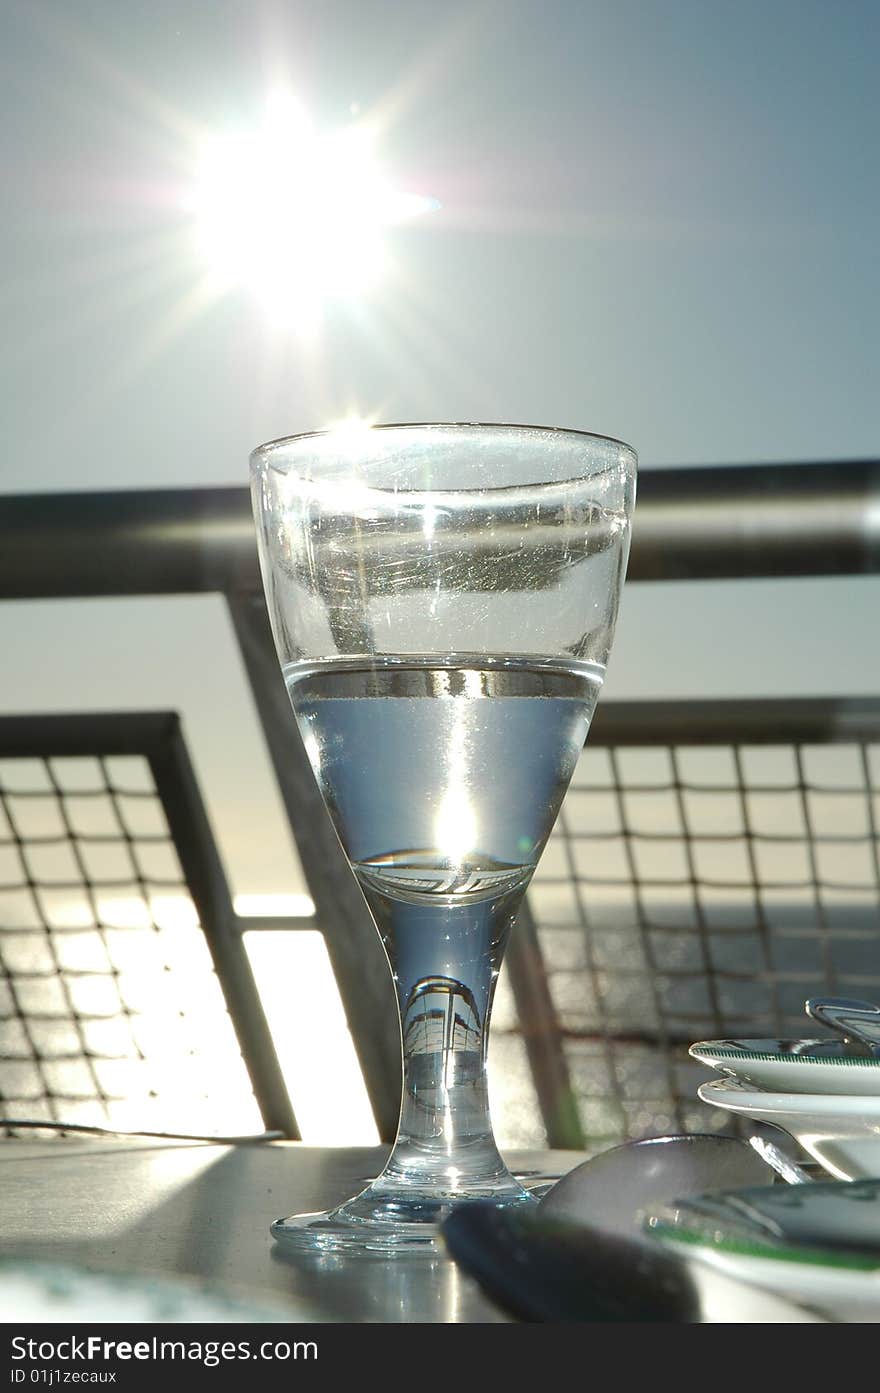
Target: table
column 200, row 1210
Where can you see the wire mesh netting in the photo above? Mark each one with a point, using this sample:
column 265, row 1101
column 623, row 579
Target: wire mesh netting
column 110, row 1010
column 688, row 892
column 694, row 892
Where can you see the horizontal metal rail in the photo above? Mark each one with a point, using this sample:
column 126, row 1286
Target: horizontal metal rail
column 754, row 721
column 729, row 521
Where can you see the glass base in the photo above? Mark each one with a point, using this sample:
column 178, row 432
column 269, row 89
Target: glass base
column 387, row 1221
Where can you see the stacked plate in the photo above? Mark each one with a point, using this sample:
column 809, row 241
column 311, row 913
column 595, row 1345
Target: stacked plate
column 821, row 1093
column 817, row 1244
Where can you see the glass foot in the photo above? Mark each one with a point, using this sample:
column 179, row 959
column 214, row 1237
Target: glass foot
column 537, row 1182
column 389, row 1222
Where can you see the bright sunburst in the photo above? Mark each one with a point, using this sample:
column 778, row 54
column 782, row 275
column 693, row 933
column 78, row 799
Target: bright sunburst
column 295, row 215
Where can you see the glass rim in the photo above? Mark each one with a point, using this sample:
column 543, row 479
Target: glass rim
column 261, row 452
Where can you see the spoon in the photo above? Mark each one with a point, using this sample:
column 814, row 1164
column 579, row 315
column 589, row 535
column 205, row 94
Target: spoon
column 581, row 1255
column 777, row 1159
column 610, row 1191
column 858, row 1022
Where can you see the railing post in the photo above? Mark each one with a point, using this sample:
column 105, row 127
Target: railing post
column 356, row 954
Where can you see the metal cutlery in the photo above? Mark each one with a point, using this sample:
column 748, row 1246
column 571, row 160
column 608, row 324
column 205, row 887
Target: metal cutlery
column 858, row 1022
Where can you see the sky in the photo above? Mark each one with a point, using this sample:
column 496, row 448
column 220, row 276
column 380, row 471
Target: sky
column 658, row 220
column 652, row 218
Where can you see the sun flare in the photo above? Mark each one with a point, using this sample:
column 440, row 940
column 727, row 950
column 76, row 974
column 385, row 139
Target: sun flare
column 295, row 215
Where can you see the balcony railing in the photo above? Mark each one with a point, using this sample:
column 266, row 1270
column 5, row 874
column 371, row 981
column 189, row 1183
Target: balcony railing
column 592, row 943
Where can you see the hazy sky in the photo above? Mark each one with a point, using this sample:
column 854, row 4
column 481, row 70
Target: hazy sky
column 658, row 219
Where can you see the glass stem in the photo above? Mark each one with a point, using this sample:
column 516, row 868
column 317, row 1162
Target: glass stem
column 445, row 957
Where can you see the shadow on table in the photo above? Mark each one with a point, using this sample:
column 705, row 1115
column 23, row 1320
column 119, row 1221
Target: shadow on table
column 184, row 1211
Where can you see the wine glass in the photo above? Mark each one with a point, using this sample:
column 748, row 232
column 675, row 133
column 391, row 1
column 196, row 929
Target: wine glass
column 443, row 600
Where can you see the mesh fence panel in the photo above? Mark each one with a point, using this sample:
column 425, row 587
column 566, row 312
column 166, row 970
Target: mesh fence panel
column 110, row 1010
column 688, row 892
column 699, row 892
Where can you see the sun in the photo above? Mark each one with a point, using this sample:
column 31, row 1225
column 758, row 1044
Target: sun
column 295, row 215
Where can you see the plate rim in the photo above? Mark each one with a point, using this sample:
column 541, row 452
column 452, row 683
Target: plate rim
column 733, row 1095
column 729, row 1245
column 719, row 1049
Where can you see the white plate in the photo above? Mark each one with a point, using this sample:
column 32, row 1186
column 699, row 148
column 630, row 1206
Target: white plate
column 817, row 1245
column 780, row 1065
column 841, row 1132
column 836, row 1292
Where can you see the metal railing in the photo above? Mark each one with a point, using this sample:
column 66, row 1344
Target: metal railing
column 691, row 523
column 101, row 825
column 694, row 523
column 714, row 864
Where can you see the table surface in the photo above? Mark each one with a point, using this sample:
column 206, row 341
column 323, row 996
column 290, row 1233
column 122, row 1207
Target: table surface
column 172, row 1210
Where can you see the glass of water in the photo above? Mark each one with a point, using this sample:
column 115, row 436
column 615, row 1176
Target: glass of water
column 443, row 601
